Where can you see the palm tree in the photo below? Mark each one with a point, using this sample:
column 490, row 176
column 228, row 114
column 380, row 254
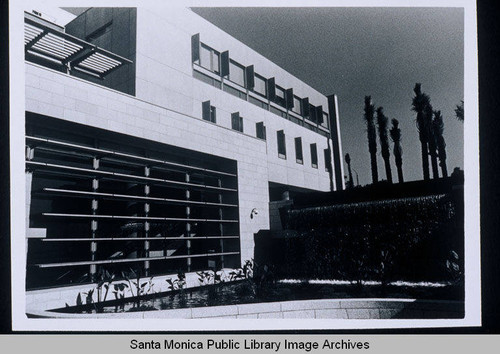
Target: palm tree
column 420, row 101
column 350, row 184
column 372, row 136
column 398, row 151
column 438, row 129
column 382, row 123
column 431, row 140
column 459, row 111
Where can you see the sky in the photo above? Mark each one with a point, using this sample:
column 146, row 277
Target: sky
column 355, row 52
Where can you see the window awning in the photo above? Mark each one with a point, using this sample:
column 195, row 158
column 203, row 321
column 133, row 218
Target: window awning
column 43, row 42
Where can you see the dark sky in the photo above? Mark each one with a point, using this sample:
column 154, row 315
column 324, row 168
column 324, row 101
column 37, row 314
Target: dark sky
column 354, row 52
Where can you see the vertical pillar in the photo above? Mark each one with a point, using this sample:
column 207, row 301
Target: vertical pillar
column 146, row 225
column 221, row 225
column 332, row 164
column 188, row 225
column 337, row 165
column 94, row 223
column 30, row 154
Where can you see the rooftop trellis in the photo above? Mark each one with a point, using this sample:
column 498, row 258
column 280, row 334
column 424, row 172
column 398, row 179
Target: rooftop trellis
column 71, row 53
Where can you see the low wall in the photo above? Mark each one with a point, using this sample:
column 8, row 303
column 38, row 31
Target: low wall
column 306, row 309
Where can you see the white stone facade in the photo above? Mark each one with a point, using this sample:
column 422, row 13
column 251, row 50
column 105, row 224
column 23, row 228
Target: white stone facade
column 167, row 108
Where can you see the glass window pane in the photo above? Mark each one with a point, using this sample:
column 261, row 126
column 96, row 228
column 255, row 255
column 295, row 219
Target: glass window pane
column 280, row 92
column 213, row 114
column 297, row 108
column 236, row 74
column 205, row 57
column 280, row 96
column 281, row 143
column 298, row 150
column 215, row 62
column 327, row 159
column 260, row 86
column 261, row 130
column 325, row 120
column 314, row 156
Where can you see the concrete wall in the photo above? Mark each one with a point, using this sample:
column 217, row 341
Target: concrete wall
column 165, row 77
column 60, row 96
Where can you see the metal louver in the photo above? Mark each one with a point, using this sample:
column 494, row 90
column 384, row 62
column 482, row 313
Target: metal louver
column 43, row 43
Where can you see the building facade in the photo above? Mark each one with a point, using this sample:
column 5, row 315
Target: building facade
column 155, row 142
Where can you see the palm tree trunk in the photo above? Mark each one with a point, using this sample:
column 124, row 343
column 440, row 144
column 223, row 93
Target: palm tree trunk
column 433, row 151
column 438, row 128
column 373, row 160
column 382, row 122
column 425, row 160
column 351, row 182
column 434, row 164
column 421, row 105
column 399, row 166
column 398, row 151
column 442, row 156
column 444, row 170
column 372, row 137
column 388, row 171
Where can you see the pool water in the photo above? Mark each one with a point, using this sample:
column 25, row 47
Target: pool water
column 244, row 292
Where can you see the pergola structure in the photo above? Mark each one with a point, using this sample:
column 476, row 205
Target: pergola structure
column 42, row 42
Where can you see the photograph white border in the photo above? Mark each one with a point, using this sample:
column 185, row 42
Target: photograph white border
column 471, row 189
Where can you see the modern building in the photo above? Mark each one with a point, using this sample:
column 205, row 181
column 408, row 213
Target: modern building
column 157, row 142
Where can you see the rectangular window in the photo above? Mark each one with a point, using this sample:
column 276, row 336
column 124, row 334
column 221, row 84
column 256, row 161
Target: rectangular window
column 314, row 156
column 325, row 120
column 210, row 173
column 297, row 105
column 235, row 92
column 215, row 61
column 295, row 120
column 258, row 102
column 328, row 161
column 280, row 96
column 281, row 144
column 237, row 122
column 312, row 113
column 298, row 150
column 277, row 111
column 209, row 58
column 237, row 73
column 260, row 130
column 208, row 112
column 322, row 133
column 260, row 85
column 207, row 79
column 310, row 127
column 205, row 57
